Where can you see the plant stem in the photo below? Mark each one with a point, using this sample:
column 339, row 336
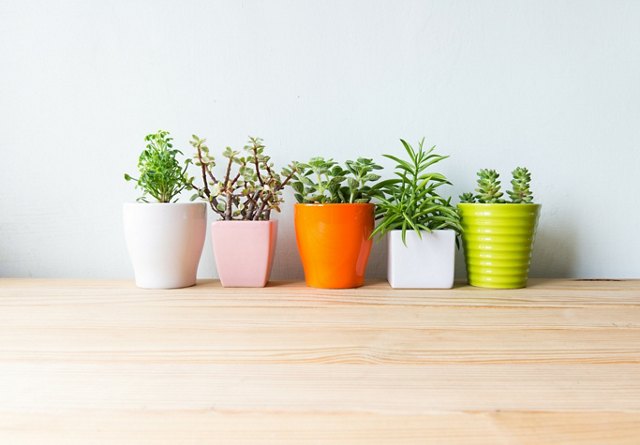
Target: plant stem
column 255, row 160
column 213, row 201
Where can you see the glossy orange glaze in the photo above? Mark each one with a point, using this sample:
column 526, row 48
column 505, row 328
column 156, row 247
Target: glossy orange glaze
column 334, row 243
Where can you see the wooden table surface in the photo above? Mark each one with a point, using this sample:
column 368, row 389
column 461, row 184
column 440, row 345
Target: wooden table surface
column 84, row 362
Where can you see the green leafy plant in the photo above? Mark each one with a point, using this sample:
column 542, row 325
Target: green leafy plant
column 411, row 200
column 489, row 188
column 521, row 186
column 161, row 175
column 249, row 189
column 323, row 180
column 467, row 197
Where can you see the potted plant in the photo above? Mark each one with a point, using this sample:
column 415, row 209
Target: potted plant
column 421, row 226
column 243, row 197
column 164, row 238
column 334, row 220
column 498, row 235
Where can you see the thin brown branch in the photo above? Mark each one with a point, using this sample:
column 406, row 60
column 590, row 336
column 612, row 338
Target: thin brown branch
column 213, row 201
column 229, row 215
column 286, row 180
column 254, row 148
column 260, row 209
column 252, row 205
column 228, row 173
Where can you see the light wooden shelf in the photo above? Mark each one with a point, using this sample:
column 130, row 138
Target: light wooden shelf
column 84, row 362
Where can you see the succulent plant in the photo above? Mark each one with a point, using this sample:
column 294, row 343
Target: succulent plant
column 250, row 187
column 489, row 188
column 323, row 180
column 521, row 183
column 161, row 175
column 467, row 197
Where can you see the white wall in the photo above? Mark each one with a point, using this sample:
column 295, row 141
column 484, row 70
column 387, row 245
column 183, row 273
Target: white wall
column 553, row 85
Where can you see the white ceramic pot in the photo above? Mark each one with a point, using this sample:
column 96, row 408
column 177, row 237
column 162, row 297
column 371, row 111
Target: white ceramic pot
column 426, row 263
column 244, row 251
column 165, row 242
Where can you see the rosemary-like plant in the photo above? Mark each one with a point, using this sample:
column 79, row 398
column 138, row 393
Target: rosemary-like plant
column 323, row 180
column 489, row 188
column 161, row 175
column 411, row 199
column 250, row 187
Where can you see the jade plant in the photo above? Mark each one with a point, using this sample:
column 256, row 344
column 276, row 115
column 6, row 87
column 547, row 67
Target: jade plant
column 324, row 181
column 161, row 175
column 489, row 188
column 411, row 200
column 249, row 189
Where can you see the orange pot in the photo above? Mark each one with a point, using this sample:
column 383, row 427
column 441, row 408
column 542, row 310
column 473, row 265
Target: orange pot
column 334, row 243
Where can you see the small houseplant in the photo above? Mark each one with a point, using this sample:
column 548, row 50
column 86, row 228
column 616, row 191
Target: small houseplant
column 334, row 219
column 421, row 226
column 164, row 237
column 499, row 234
column 243, row 196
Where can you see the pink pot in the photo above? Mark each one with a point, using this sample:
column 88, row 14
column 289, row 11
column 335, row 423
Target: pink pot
column 244, row 251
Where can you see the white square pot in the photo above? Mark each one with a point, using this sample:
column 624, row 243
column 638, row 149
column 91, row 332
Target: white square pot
column 426, row 263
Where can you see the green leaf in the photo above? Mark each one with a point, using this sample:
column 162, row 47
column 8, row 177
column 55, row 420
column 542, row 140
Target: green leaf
column 411, row 202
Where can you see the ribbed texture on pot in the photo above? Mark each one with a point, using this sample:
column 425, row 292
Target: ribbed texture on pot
column 498, row 241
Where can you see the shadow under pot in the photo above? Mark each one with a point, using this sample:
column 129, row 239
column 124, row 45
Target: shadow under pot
column 244, row 251
column 334, row 241
column 165, row 242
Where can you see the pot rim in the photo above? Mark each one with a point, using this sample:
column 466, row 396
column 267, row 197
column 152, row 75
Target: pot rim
column 244, row 221
column 167, row 204
column 422, row 231
column 333, row 204
column 500, row 204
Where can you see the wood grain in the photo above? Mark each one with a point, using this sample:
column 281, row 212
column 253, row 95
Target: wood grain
column 104, row 362
column 199, row 427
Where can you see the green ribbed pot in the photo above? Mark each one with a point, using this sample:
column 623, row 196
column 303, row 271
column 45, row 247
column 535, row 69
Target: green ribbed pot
column 498, row 241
